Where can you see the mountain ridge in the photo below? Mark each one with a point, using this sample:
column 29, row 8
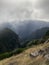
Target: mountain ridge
column 26, row 27
column 9, row 40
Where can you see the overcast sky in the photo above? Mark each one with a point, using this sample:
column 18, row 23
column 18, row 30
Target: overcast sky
column 14, row 10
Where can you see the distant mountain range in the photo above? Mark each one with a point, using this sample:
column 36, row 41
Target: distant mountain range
column 40, row 33
column 26, row 28
column 13, row 34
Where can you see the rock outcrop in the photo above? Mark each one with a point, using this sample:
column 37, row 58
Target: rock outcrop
column 43, row 52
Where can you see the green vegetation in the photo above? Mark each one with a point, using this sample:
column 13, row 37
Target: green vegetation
column 47, row 33
column 34, row 42
column 46, row 36
column 5, row 55
column 9, row 54
column 9, row 41
column 19, row 50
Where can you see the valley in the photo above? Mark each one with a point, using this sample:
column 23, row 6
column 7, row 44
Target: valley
column 29, row 49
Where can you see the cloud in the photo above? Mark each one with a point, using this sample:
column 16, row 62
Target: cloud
column 17, row 10
column 43, row 7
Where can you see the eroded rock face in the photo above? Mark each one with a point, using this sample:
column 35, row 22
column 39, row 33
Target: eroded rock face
column 35, row 54
column 47, row 56
column 43, row 52
column 47, row 50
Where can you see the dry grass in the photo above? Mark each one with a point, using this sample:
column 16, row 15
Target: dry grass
column 25, row 59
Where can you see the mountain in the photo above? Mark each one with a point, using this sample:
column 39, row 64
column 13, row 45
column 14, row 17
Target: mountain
column 34, row 50
column 9, row 40
column 46, row 35
column 40, row 33
column 26, row 27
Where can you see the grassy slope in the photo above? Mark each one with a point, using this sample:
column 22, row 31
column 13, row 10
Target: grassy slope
column 25, row 59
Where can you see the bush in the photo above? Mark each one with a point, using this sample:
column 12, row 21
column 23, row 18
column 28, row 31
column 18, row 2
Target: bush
column 35, row 42
column 20, row 50
column 9, row 54
column 4, row 55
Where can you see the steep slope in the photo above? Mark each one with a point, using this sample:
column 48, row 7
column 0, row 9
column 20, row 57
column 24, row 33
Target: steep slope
column 9, row 40
column 26, row 27
column 25, row 58
column 38, row 33
column 47, row 35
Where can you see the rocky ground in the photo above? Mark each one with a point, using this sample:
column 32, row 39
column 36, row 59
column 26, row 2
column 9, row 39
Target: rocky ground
column 36, row 55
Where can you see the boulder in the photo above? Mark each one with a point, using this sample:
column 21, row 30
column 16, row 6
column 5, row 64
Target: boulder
column 47, row 56
column 35, row 54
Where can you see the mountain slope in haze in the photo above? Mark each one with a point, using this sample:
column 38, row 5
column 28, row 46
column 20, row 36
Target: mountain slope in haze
column 46, row 35
column 9, row 40
column 26, row 27
column 38, row 33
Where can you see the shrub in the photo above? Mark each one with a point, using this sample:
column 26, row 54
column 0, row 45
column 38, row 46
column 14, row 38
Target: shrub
column 4, row 55
column 9, row 54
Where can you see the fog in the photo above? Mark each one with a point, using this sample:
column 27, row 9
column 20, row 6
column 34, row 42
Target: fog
column 20, row 10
